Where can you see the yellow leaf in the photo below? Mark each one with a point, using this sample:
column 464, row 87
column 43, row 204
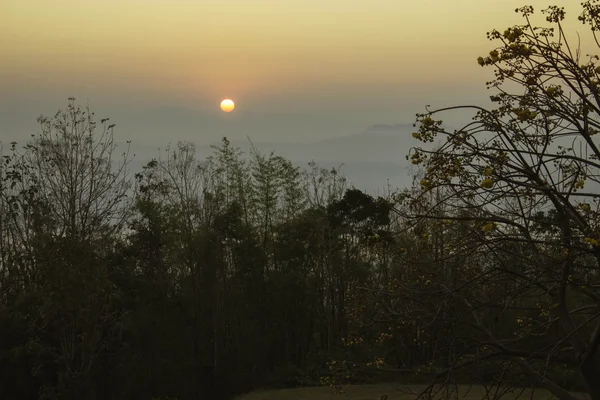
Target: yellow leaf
column 488, row 227
column 487, row 183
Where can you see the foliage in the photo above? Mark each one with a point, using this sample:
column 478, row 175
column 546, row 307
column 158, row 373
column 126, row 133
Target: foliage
column 191, row 277
column 511, row 201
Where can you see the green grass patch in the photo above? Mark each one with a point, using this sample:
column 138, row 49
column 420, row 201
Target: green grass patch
column 393, row 392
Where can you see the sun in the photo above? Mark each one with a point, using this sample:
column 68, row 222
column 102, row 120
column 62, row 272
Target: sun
column 227, row 105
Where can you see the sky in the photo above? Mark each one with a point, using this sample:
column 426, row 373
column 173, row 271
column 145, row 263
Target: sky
column 298, row 70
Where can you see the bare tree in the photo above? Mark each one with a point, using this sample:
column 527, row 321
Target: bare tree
column 78, row 173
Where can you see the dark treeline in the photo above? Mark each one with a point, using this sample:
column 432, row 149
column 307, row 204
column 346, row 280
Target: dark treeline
column 207, row 278
column 191, row 277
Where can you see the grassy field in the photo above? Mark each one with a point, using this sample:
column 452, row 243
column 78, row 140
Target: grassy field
column 374, row 392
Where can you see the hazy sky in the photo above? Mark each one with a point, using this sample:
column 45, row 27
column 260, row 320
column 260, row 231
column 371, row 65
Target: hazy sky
column 297, row 69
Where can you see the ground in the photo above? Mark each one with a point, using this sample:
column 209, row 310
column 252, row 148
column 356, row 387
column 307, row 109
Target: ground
column 374, row 392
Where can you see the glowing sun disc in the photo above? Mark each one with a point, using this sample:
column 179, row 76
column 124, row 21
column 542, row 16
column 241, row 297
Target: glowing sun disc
column 227, row 105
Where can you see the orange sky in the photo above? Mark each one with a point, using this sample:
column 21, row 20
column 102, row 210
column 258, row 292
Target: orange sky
column 321, row 53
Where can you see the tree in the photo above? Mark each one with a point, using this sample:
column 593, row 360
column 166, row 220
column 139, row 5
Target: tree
column 64, row 202
column 521, row 182
column 323, row 186
column 77, row 173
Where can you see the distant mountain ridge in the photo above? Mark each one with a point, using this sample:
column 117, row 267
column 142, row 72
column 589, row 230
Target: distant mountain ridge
column 372, row 159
